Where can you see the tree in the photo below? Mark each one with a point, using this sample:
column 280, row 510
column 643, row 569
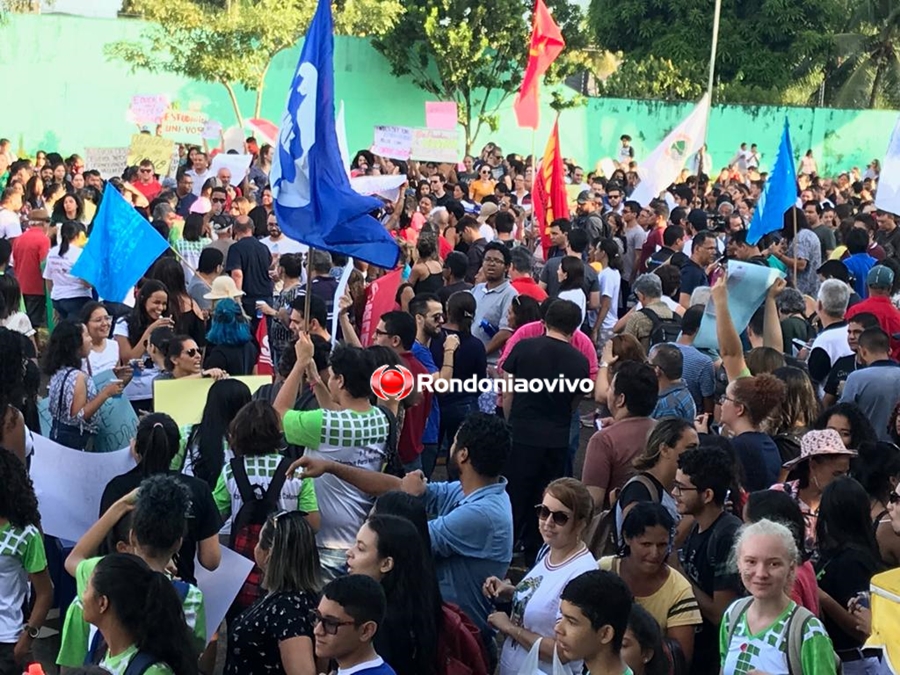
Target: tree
column 233, row 42
column 765, row 44
column 473, row 53
column 869, row 61
column 651, row 77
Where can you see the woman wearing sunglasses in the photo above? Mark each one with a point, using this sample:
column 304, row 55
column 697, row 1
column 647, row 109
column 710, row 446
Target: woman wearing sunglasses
column 563, row 515
column 183, row 358
column 275, row 634
column 483, row 185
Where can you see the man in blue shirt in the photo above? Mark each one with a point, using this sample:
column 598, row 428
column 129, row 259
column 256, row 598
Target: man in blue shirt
column 875, row 388
column 675, row 399
column 428, row 312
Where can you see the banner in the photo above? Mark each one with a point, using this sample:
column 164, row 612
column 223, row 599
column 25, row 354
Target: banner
column 440, row 114
column 393, row 142
column 184, row 125
column 264, row 364
column 239, row 165
column 157, row 150
column 380, row 299
column 147, row 109
column 183, row 400
column 69, row 484
column 212, row 130
column 116, row 419
column 435, row 145
column 754, row 282
column 887, row 198
column 221, row 587
column 108, row 161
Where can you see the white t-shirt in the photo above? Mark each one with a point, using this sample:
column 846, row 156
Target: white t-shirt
column 199, row 180
column 104, row 360
column 10, row 224
column 141, row 386
column 18, row 322
column 58, row 271
column 666, row 300
column 610, row 282
column 284, row 245
column 577, row 296
column 536, row 607
column 487, row 232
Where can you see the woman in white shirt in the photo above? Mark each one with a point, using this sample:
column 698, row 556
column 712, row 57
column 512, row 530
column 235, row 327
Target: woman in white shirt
column 563, row 515
column 68, row 293
column 571, row 282
column 104, row 354
column 610, row 279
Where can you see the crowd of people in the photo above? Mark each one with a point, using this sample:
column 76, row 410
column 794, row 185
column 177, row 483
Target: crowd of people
column 728, row 514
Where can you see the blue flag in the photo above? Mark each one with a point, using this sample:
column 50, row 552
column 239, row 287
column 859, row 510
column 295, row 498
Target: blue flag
column 779, row 193
column 121, row 248
column 313, row 199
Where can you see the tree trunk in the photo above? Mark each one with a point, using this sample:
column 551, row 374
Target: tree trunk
column 876, row 83
column 234, row 103
column 257, row 109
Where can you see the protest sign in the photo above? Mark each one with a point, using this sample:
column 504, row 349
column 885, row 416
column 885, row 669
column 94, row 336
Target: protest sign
column 380, row 296
column 338, row 294
column 157, row 150
column 440, row 115
column 435, row 145
column 233, row 139
column 221, row 586
column 184, row 399
column 183, row 125
column 212, row 130
column 108, row 161
column 116, row 419
column 237, row 164
column 754, row 282
column 393, row 142
column 69, row 484
column 147, row 109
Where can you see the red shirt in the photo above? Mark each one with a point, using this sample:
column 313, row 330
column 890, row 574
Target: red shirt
column 409, row 445
column 444, row 247
column 888, row 318
column 653, row 242
column 528, row 286
column 29, row 251
column 150, row 190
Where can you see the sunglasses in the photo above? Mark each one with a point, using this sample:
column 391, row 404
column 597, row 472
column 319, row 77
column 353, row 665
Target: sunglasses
column 894, row 498
column 218, row 200
column 543, row 513
column 146, row 170
column 329, row 625
column 192, row 352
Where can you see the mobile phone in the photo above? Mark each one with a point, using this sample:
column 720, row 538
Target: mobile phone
column 799, row 344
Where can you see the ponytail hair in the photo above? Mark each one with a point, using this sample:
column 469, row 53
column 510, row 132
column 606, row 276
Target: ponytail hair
column 461, row 310
column 67, row 234
column 148, row 608
column 156, row 442
column 614, row 257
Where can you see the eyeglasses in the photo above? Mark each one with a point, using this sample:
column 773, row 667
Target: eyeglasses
column 192, row 352
column 678, row 487
column 543, row 513
column 437, row 317
column 329, row 625
column 725, row 397
column 485, row 173
column 382, row 332
column 102, row 319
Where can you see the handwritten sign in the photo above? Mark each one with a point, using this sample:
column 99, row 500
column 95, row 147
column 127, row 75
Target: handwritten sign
column 440, row 115
column 157, row 150
column 435, row 145
column 212, row 130
column 393, row 142
column 147, row 109
column 108, row 161
column 184, row 124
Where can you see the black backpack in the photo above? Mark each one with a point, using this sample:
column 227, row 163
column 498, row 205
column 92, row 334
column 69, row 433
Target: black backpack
column 663, row 330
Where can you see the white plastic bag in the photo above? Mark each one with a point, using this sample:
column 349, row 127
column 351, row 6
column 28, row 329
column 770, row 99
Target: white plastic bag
column 532, row 663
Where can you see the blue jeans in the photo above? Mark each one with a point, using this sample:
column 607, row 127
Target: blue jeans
column 70, row 308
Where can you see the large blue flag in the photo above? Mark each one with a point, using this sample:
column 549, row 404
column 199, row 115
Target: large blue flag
column 313, row 198
column 121, row 248
column 779, row 193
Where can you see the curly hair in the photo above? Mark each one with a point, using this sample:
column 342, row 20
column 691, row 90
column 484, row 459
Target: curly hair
column 760, row 395
column 159, row 519
column 861, row 430
column 18, row 503
column 487, row 439
column 64, row 348
column 255, row 430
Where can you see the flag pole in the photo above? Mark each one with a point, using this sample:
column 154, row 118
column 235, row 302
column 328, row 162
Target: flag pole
column 308, row 298
column 717, row 13
column 794, row 214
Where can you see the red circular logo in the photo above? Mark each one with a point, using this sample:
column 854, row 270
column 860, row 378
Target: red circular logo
column 392, row 382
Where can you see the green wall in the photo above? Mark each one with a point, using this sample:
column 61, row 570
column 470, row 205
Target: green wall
column 62, row 94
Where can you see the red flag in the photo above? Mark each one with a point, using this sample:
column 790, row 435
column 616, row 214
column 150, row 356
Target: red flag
column 380, row 299
column 546, row 44
column 549, row 198
column 264, row 364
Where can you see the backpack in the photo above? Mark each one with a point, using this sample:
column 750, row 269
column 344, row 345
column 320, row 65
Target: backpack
column 461, row 650
column 663, row 330
column 141, row 661
column 602, row 536
column 247, row 524
column 796, row 626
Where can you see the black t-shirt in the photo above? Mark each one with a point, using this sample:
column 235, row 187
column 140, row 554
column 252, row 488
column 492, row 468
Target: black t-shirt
column 636, row 491
column 544, row 418
column 253, row 637
column 469, row 360
column 236, row 360
column 760, row 458
column 842, row 575
column 837, row 376
column 704, row 559
column 692, row 276
column 203, row 520
column 445, row 292
column 250, row 256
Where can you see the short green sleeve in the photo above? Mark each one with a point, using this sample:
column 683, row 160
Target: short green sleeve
column 34, row 558
column 303, row 427
column 306, row 500
column 76, row 631
column 221, row 496
column 817, row 653
column 195, row 616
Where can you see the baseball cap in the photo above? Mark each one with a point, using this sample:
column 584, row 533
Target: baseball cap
column 39, row 216
column 221, row 222
column 201, row 205
column 880, row 277
column 585, row 196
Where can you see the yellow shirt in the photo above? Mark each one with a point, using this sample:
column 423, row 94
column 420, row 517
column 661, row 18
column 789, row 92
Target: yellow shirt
column 478, row 190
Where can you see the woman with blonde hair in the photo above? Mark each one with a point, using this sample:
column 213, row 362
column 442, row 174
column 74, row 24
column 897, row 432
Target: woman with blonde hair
column 617, row 350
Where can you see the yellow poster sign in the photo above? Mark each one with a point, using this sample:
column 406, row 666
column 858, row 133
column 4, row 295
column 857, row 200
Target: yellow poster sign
column 157, row 150
column 183, row 400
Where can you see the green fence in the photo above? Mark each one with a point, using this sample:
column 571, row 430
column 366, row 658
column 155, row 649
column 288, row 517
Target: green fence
column 61, row 93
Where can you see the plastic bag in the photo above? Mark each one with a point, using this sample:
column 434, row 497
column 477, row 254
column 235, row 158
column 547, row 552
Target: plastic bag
column 532, row 663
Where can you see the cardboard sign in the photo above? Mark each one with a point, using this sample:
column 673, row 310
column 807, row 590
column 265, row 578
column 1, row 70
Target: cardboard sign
column 148, row 109
column 221, row 587
column 185, row 125
column 212, row 130
column 157, row 150
column 393, row 142
column 440, row 115
column 435, row 145
column 108, row 161
column 185, row 399
column 379, row 300
column 239, row 165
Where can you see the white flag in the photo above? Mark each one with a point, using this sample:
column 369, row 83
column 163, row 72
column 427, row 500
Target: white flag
column 341, row 131
column 887, row 198
column 666, row 162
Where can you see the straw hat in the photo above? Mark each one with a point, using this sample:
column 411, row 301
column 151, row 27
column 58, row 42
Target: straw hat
column 818, row 444
column 223, row 287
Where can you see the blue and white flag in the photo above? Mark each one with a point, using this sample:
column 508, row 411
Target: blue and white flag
column 313, row 199
column 121, row 248
column 779, row 193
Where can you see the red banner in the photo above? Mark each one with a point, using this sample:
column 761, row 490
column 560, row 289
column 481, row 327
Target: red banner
column 264, row 365
column 546, row 44
column 380, row 299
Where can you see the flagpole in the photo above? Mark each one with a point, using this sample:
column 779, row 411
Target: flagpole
column 308, row 298
column 717, row 13
column 794, row 214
